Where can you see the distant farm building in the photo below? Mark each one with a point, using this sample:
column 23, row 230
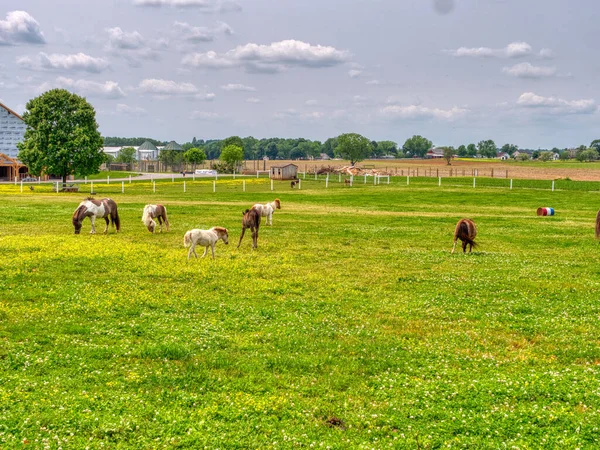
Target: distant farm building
column 287, row 172
column 12, row 131
column 437, row 152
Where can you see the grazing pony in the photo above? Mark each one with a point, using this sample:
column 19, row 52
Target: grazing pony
column 347, row 181
column 466, row 232
column 152, row 212
column 293, row 183
column 204, row 238
column 91, row 208
column 267, row 210
column 251, row 220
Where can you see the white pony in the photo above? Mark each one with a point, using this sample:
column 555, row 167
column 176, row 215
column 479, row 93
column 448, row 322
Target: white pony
column 268, row 209
column 155, row 212
column 204, row 238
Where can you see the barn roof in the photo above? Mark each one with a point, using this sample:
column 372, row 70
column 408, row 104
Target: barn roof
column 147, row 146
column 281, row 167
column 173, row 146
column 10, row 111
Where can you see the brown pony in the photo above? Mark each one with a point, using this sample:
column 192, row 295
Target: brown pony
column 466, row 232
column 91, row 208
column 251, row 220
column 598, row 225
column 293, row 183
column 155, row 212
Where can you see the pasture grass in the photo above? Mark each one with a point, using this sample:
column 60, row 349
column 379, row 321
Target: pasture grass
column 351, row 326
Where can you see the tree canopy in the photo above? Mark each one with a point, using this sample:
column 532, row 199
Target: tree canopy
column 417, row 146
column 354, row 147
column 487, row 149
column 232, row 155
column 195, row 156
column 126, row 155
column 62, row 136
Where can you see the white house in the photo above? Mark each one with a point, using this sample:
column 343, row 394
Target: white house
column 12, row 131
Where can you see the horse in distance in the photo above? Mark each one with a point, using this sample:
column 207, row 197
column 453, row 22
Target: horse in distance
column 93, row 209
column 205, row 238
column 251, row 220
column 465, row 231
column 152, row 212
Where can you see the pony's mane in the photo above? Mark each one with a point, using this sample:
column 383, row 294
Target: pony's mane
column 220, row 229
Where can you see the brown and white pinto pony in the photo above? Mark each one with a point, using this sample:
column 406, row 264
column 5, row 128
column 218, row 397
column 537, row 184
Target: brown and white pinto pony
column 251, row 220
column 268, row 209
column 91, row 208
column 155, row 212
column 466, row 232
column 204, row 238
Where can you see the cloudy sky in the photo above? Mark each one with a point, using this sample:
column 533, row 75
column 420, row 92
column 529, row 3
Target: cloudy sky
column 456, row 71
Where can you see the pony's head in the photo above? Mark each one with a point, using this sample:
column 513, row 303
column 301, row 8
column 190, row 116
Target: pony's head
column 151, row 226
column 277, row 203
column 78, row 217
column 222, row 234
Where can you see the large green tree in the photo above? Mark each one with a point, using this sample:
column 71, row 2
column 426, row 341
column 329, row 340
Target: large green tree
column 417, row 146
column 462, row 151
column 194, row 156
column 487, row 149
column 354, row 147
column 232, row 140
column 62, row 136
column 509, row 148
column 387, row 147
column 595, row 145
column 472, row 150
column 232, row 155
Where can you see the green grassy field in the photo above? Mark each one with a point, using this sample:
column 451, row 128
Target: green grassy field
column 351, row 326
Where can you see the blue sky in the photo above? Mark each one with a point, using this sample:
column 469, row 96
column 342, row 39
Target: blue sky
column 522, row 72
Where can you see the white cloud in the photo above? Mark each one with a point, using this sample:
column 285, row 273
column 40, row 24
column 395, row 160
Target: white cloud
column 123, row 40
column 20, row 28
column 373, row 82
column 238, row 87
column 203, row 115
column 253, row 100
column 422, row 112
column 557, row 105
column 166, row 87
column 131, row 110
column 132, row 45
column 201, row 34
column 75, row 62
column 208, row 97
column 203, row 5
column 354, row 73
column 546, row 53
column 517, row 49
column 295, row 114
column 527, row 70
column 512, row 50
column 108, row 89
column 270, row 58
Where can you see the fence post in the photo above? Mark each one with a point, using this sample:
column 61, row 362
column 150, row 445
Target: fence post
column 511, row 183
column 22, row 185
column 92, row 187
column 122, row 187
column 214, row 186
column 85, row 181
column 388, row 180
column 374, row 179
column 271, row 184
column 351, row 180
column 234, row 174
column 407, row 180
column 305, row 173
column 365, row 179
column 439, row 181
column 184, row 188
column 154, row 186
column 300, row 183
column 57, row 187
column 129, row 179
column 340, row 177
column 244, row 185
column 194, row 176
column 315, row 174
column 552, row 186
column 108, row 179
column 256, row 173
column 172, row 178
column 326, row 182
column 474, row 180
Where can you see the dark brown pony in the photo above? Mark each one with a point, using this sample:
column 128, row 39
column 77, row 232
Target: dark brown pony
column 91, row 208
column 293, row 183
column 466, row 232
column 598, row 225
column 251, row 220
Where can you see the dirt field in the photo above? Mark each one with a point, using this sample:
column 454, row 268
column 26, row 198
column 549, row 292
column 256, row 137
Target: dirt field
column 552, row 170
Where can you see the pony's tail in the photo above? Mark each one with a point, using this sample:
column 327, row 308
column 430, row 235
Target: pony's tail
column 187, row 239
column 114, row 218
column 598, row 225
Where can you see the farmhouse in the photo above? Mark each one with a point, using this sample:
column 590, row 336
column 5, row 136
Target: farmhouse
column 12, row 131
column 437, row 152
column 287, row 172
column 503, row 156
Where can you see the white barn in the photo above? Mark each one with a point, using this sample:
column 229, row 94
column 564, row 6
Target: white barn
column 12, row 131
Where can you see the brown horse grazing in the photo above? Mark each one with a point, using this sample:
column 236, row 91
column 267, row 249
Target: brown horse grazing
column 251, row 220
column 466, row 232
column 91, row 208
column 155, row 212
column 598, row 225
column 293, row 183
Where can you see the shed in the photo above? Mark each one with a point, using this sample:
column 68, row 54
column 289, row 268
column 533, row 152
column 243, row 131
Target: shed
column 287, row 172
